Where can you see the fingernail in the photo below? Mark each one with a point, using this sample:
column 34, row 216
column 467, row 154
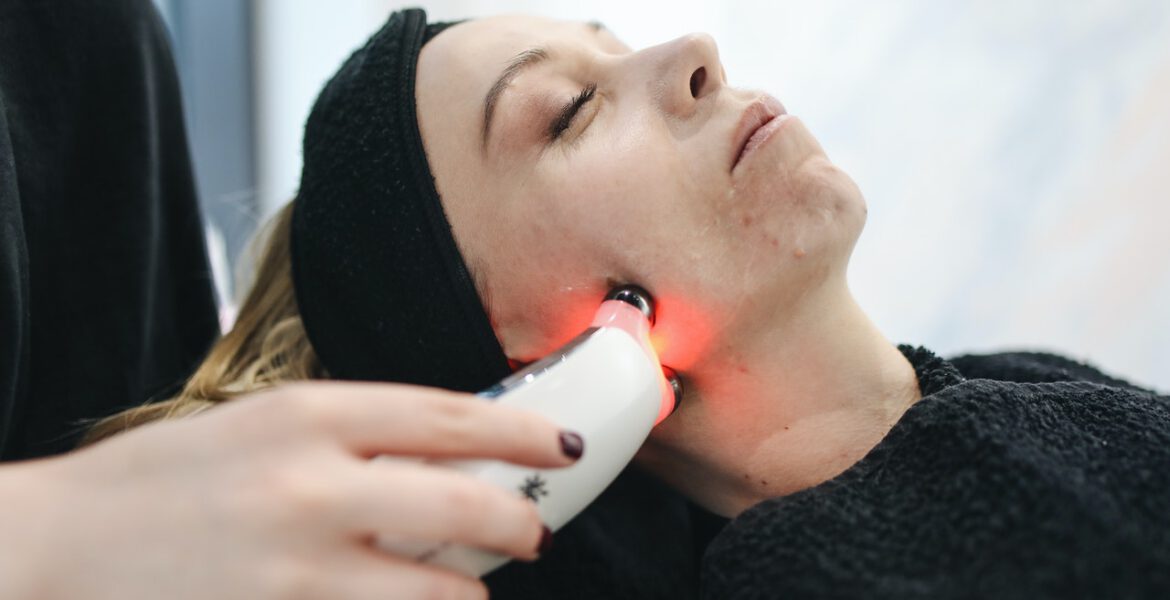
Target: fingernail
column 545, row 541
column 572, row 444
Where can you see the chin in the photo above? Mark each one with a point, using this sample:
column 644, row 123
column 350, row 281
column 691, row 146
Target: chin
column 832, row 205
column 852, row 210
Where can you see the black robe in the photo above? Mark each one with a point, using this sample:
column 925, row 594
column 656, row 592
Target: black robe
column 105, row 291
column 1017, row 475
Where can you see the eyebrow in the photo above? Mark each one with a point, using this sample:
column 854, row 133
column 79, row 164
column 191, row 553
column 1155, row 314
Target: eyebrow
column 517, row 65
column 522, row 61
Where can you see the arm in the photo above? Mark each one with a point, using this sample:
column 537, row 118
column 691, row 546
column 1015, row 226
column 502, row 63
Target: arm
column 272, row 496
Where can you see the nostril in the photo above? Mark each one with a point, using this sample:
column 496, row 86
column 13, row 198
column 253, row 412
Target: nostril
column 698, row 78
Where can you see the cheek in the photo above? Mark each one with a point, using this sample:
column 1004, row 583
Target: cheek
column 640, row 218
column 593, row 222
column 551, row 258
column 620, row 198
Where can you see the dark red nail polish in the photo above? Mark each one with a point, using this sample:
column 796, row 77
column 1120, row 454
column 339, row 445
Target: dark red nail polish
column 545, row 541
column 572, row 444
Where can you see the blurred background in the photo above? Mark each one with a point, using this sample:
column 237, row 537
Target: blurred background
column 1015, row 156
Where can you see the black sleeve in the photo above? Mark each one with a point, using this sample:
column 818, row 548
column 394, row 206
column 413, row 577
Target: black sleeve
column 105, row 290
column 634, row 541
column 14, row 344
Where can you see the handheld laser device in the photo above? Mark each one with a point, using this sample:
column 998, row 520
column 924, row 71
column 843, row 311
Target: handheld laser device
column 608, row 386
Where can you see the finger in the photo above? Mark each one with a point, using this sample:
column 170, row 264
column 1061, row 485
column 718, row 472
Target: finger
column 373, row 419
column 415, row 501
column 368, row 574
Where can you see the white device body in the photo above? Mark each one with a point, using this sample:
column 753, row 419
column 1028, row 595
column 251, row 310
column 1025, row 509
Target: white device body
column 606, row 385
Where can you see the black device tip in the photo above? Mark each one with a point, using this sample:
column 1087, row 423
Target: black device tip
column 634, row 295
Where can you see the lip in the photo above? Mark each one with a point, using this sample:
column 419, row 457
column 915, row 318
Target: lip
column 757, row 114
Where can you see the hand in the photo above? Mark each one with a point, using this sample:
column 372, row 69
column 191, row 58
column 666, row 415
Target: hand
column 273, row 497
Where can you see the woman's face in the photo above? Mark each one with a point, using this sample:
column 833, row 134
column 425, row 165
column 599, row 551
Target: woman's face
column 552, row 208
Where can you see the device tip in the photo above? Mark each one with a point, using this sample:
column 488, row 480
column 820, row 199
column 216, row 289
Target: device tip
column 636, row 296
column 676, row 386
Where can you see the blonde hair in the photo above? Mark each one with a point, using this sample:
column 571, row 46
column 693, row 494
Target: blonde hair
column 267, row 344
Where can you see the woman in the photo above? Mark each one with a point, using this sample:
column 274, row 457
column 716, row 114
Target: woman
column 556, row 163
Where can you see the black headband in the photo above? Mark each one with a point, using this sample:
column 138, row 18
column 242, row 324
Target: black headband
column 380, row 284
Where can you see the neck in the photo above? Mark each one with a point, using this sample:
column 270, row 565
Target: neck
column 796, row 399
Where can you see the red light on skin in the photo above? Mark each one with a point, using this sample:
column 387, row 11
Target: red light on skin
column 680, row 337
column 615, row 313
column 658, row 342
column 622, row 315
column 681, row 333
column 677, row 338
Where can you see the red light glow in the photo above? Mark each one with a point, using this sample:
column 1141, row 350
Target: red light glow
column 682, row 333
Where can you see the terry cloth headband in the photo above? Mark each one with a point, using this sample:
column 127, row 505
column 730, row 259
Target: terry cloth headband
column 381, row 287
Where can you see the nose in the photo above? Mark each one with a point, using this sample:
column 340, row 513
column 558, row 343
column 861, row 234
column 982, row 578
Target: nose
column 691, row 71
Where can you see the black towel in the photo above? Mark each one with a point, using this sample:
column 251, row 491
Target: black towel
column 1019, row 475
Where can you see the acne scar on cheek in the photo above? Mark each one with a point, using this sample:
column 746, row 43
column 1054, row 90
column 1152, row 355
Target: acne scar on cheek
column 746, row 220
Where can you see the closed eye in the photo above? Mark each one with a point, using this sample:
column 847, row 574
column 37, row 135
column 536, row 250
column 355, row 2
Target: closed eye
column 562, row 122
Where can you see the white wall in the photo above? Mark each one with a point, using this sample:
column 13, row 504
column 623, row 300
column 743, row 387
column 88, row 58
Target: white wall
column 298, row 46
column 1014, row 154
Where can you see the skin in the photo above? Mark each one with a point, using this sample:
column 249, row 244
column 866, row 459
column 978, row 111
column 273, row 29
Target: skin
column 273, row 497
column 788, row 382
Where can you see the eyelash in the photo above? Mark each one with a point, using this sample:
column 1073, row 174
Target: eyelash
column 560, row 124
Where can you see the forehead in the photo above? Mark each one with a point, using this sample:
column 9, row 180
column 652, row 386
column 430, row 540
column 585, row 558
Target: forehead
column 465, row 59
column 470, row 47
